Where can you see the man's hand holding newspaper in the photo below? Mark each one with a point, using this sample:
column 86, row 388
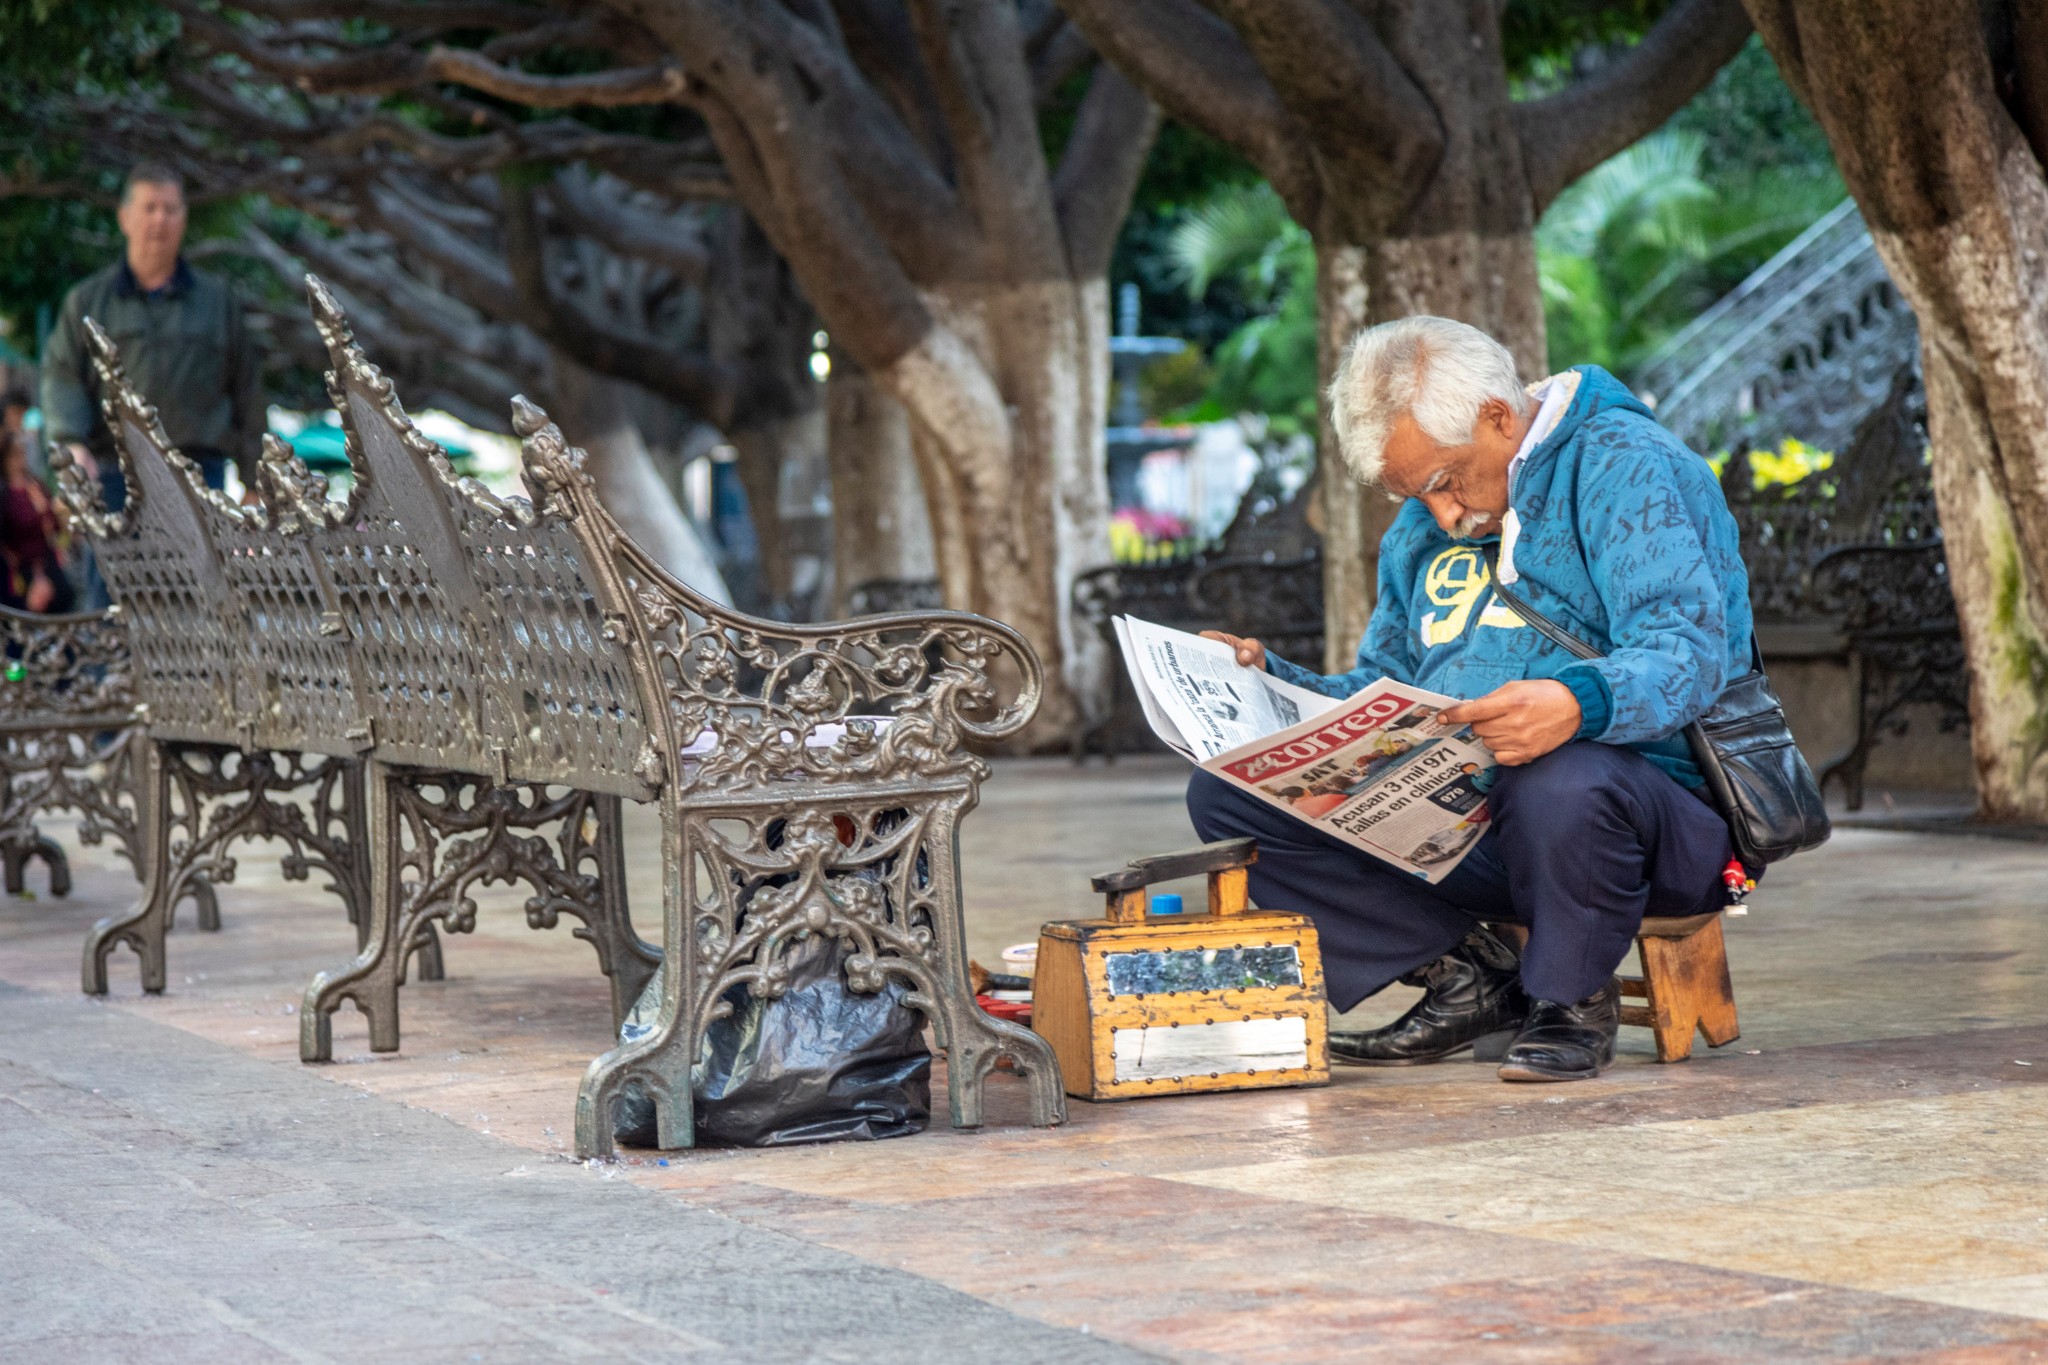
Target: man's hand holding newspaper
column 1378, row 770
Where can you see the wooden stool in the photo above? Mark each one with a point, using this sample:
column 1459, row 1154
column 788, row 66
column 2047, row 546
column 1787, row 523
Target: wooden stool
column 1142, row 1004
column 1684, row 985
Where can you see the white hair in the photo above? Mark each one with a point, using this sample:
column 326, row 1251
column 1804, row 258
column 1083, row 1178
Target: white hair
column 1440, row 371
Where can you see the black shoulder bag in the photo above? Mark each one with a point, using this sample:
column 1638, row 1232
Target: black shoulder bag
column 1754, row 771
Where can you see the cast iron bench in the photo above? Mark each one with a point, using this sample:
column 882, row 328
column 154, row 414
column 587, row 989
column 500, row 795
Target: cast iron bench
column 511, row 665
column 67, row 727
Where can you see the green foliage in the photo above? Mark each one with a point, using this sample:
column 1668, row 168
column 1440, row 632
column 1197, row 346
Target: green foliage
column 1242, row 233
column 1753, row 124
column 1638, row 247
column 1542, row 38
column 46, row 246
column 1635, row 249
column 1244, row 236
column 59, row 45
column 52, row 50
column 1176, row 382
column 1183, row 170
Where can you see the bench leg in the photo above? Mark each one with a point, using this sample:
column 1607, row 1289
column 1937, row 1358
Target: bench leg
column 372, row 979
column 1688, row 987
column 974, row 1041
column 25, row 843
column 623, row 956
column 658, row 1065
column 143, row 927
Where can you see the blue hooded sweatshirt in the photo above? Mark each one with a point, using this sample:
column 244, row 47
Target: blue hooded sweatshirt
column 1625, row 540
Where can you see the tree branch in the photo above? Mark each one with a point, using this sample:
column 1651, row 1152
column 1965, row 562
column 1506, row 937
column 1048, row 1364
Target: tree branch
column 678, row 170
column 629, row 231
column 691, row 380
column 661, row 83
column 1100, row 167
column 975, row 57
column 1062, row 55
column 1194, row 68
column 1569, row 133
column 2029, row 98
column 455, row 364
column 796, row 169
column 388, row 69
column 881, row 46
column 1372, row 127
column 400, row 14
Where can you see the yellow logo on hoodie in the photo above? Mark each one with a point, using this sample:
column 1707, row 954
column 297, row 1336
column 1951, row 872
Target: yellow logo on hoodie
column 1457, row 580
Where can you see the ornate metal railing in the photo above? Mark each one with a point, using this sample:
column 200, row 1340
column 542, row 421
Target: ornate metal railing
column 1804, row 347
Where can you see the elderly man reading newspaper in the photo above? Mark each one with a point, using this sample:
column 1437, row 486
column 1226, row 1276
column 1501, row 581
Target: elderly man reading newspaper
column 1606, row 523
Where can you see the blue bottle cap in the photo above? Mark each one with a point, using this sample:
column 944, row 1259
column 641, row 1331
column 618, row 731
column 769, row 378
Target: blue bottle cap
column 1166, row 903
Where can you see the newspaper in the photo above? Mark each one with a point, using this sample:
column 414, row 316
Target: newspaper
column 1378, row 770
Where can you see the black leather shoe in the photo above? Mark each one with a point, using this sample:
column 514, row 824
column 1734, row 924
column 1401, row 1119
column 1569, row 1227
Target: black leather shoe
column 1566, row 1042
column 1473, row 999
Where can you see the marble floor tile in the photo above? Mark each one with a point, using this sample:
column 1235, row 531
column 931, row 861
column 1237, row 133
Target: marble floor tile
column 1863, row 1176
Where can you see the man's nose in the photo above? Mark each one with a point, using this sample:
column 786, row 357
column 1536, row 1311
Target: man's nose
column 1447, row 510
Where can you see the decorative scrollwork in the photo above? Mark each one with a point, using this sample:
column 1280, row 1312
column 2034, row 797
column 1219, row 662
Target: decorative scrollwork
column 197, row 802
column 481, row 654
column 47, row 770
column 464, row 832
column 222, row 796
column 67, row 711
column 1906, row 646
column 749, row 702
column 62, row 668
column 444, row 834
column 812, row 874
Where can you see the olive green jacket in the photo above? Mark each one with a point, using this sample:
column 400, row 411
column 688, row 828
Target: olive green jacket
column 186, row 350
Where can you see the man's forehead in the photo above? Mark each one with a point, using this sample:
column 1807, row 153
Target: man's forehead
column 1417, row 470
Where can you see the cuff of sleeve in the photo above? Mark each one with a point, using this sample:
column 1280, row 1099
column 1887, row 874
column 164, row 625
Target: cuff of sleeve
column 1596, row 700
column 1289, row 671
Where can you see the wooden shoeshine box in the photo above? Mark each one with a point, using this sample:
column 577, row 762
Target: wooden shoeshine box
column 1141, row 1004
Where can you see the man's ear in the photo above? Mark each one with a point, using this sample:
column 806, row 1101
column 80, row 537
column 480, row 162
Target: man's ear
column 1498, row 415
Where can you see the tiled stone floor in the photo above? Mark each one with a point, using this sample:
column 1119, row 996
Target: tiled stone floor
column 1864, row 1175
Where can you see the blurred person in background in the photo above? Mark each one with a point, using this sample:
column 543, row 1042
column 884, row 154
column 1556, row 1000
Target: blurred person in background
column 183, row 342
column 32, row 576
column 14, row 413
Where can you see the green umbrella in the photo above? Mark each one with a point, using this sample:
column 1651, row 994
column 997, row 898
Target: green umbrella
column 324, row 449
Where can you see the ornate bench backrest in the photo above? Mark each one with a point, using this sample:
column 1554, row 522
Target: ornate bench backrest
column 481, row 631
column 184, row 627
column 292, row 686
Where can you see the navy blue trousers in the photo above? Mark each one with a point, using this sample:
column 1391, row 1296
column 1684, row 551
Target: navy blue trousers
column 1584, row 842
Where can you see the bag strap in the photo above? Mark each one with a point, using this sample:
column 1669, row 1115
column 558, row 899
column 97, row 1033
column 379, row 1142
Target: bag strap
column 1557, row 634
column 1520, row 606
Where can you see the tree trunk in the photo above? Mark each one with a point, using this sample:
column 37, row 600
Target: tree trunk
column 880, row 530
column 1956, row 200
column 1489, row 282
column 1353, row 516
column 1007, row 399
column 1465, row 249
column 778, row 458
column 592, row 410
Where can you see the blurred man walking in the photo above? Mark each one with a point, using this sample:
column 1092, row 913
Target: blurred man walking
column 182, row 339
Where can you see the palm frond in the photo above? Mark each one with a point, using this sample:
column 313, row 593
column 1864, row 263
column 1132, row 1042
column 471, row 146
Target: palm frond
column 1243, row 231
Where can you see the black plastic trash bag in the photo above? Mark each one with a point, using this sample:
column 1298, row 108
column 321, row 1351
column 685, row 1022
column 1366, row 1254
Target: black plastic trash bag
column 819, row 1063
